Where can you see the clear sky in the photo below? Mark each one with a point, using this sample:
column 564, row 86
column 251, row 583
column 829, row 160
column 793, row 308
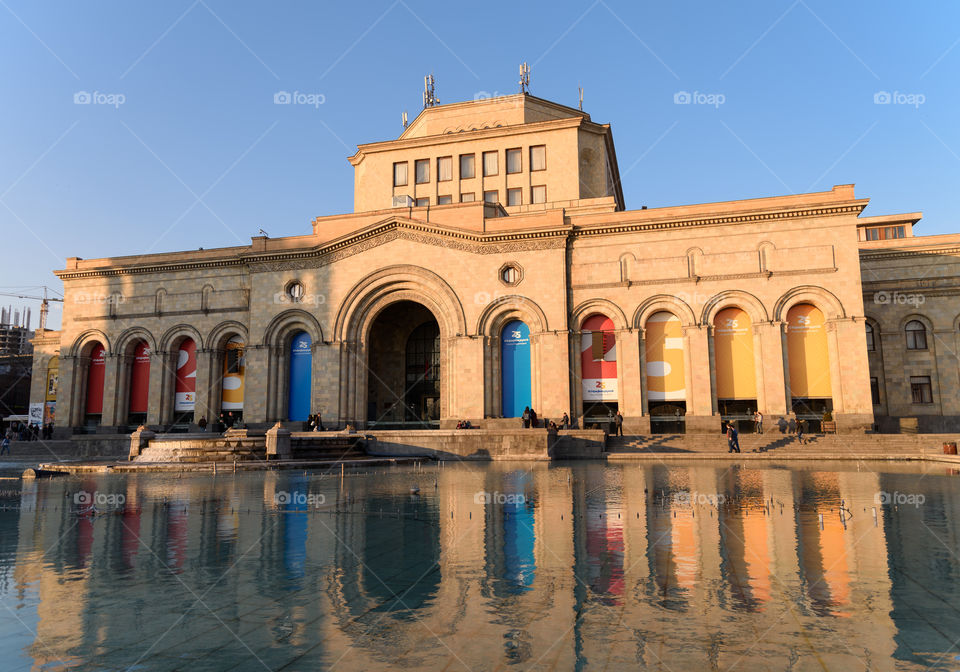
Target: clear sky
column 179, row 144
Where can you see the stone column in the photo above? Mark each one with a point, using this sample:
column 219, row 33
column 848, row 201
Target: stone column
column 699, row 401
column 469, row 382
column 111, row 382
column 255, row 384
column 163, row 381
column 66, row 394
column 325, row 395
column 551, row 374
column 769, row 345
column 630, row 376
column 209, row 365
column 850, row 375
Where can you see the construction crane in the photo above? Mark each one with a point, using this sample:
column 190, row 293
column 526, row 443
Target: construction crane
column 44, row 305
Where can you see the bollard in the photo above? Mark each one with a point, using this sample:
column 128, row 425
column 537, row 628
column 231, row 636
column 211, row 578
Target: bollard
column 821, row 521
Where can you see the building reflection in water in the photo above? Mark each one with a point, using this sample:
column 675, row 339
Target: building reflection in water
column 543, row 565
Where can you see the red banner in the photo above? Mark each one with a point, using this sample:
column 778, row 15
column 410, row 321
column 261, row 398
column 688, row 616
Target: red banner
column 186, row 387
column 140, row 378
column 98, row 366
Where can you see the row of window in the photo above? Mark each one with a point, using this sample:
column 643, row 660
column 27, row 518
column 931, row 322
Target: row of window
column 921, row 391
column 538, row 194
column 915, row 331
column 490, row 162
column 884, row 232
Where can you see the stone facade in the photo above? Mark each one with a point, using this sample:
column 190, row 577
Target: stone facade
column 478, row 266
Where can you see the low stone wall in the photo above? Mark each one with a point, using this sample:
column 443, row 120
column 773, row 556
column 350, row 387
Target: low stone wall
column 463, row 444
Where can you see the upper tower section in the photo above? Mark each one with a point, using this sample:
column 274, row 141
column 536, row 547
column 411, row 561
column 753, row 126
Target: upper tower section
column 520, row 151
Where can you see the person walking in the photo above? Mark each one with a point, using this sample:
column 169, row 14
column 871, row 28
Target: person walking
column 801, row 428
column 565, row 421
column 533, row 418
column 526, row 417
column 758, row 418
column 733, row 438
column 618, row 421
column 5, row 445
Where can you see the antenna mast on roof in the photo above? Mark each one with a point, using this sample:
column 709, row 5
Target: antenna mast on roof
column 524, row 78
column 580, row 89
column 429, row 97
column 403, row 118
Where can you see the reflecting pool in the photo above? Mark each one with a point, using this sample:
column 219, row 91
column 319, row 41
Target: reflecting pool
column 489, row 566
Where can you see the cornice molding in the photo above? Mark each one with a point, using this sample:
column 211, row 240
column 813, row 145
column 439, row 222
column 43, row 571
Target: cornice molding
column 880, row 255
column 432, row 234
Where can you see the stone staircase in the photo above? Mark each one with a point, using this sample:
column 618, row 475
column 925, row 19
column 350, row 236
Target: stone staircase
column 317, row 446
column 774, row 444
column 198, row 448
column 192, row 449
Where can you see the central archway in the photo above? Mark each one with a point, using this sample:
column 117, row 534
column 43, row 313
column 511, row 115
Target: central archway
column 404, row 372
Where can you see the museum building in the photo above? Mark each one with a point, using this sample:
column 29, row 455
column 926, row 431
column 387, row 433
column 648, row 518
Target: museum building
column 491, row 265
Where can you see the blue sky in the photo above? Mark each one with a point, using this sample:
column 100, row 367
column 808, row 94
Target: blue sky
column 183, row 146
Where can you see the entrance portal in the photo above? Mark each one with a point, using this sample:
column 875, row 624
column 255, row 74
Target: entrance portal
column 403, row 385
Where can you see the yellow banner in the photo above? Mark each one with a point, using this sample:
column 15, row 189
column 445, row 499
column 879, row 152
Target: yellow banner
column 733, row 354
column 664, row 350
column 807, row 352
column 233, row 372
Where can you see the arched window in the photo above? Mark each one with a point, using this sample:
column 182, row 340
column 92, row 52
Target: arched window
column 916, row 335
column 871, row 346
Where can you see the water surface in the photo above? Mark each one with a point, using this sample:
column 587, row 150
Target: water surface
column 489, row 566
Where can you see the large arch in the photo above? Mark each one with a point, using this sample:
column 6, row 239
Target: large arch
column 734, row 298
column 277, row 338
column 397, row 283
column 126, row 340
column 224, row 331
column 602, row 306
column 663, row 302
column 172, row 337
column 822, row 298
column 82, row 343
column 495, row 316
column 360, row 309
column 512, row 307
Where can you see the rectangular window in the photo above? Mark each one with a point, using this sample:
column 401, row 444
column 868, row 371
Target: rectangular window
column 444, row 168
column 920, row 389
column 514, row 197
column 467, row 167
column 400, row 174
column 538, row 157
column 423, row 202
column 514, row 161
column 886, row 233
column 538, row 194
column 423, row 171
column 491, row 196
column 490, row 164
column 873, row 234
column 469, row 197
column 444, row 200
column 875, row 391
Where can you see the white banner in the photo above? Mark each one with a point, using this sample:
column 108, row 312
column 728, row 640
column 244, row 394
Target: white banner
column 599, row 389
column 36, row 413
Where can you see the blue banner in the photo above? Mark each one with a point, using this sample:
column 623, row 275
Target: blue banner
column 301, row 365
column 515, row 369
